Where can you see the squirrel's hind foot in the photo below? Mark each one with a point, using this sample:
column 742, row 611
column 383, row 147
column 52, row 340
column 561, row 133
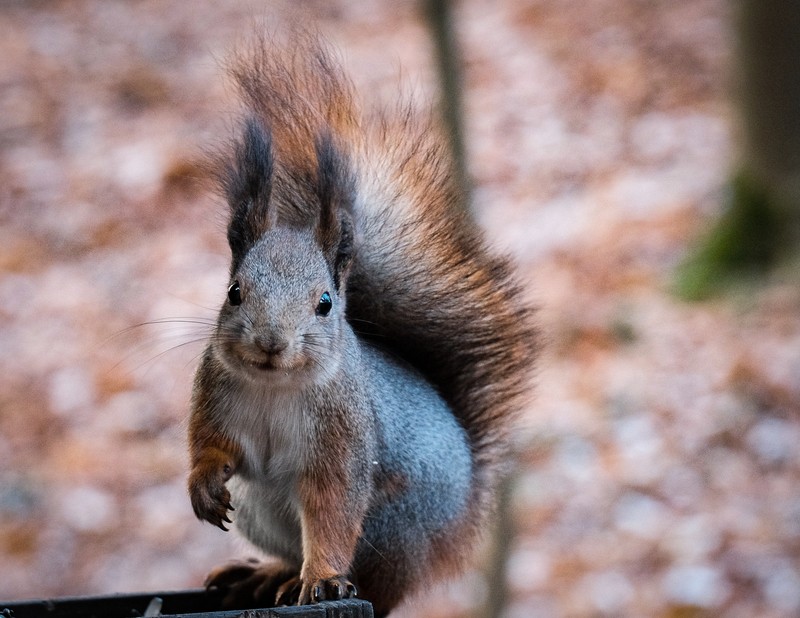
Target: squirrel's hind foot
column 250, row 583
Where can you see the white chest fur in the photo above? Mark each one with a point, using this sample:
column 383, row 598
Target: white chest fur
column 270, row 427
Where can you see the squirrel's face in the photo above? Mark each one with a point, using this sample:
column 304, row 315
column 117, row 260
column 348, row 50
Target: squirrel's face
column 281, row 324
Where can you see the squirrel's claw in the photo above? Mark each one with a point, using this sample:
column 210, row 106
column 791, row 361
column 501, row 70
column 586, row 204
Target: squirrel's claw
column 330, row 589
column 211, row 500
column 219, row 524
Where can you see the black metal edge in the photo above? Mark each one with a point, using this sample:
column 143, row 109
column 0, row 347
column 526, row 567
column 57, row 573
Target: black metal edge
column 116, row 605
column 175, row 604
column 346, row 608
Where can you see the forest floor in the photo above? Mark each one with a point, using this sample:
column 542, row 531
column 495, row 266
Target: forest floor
column 660, row 465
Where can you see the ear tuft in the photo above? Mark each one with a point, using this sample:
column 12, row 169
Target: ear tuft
column 247, row 183
column 336, row 192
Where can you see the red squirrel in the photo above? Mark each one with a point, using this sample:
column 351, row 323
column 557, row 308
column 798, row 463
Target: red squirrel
column 353, row 407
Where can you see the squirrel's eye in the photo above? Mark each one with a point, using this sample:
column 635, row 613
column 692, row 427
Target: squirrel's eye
column 234, row 294
column 325, row 304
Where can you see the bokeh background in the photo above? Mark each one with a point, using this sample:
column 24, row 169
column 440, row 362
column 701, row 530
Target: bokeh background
column 659, row 460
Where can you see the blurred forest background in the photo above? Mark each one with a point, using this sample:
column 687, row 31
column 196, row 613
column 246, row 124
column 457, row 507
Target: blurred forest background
column 659, row 461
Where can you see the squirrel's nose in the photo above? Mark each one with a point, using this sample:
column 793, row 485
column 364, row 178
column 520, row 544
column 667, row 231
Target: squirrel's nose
column 272, row 346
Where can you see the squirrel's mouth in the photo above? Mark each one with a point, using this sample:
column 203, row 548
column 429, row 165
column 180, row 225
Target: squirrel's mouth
column 270, row 364
column 265, row 365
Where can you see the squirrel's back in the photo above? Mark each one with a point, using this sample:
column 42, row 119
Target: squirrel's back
column 424, row 285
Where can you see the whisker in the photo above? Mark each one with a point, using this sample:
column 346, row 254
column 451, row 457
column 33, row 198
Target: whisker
column 186, row 330
column 248, row 318
column 193, row 360
column 362, row 321
column 375, row 549
column 369, row 334
column 158, row 322
column 163, row 353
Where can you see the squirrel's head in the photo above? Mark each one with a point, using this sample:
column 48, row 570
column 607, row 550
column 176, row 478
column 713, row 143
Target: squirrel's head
column 283, row 319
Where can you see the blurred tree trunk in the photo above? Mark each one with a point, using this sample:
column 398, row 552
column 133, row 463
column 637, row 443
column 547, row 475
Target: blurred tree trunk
column 761, row 225
column 769, row 61
column 448, row 61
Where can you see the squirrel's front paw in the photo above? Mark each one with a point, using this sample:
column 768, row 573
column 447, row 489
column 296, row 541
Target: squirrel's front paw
column 211, row 500
column 330, row 589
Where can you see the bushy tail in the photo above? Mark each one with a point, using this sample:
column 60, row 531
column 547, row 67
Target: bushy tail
column 424, row 283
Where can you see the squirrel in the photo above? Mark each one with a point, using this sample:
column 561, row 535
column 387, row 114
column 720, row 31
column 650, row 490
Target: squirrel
column 353, row 408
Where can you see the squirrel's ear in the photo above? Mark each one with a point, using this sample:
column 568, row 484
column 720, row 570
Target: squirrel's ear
column 247, row 182
column 336, row 191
